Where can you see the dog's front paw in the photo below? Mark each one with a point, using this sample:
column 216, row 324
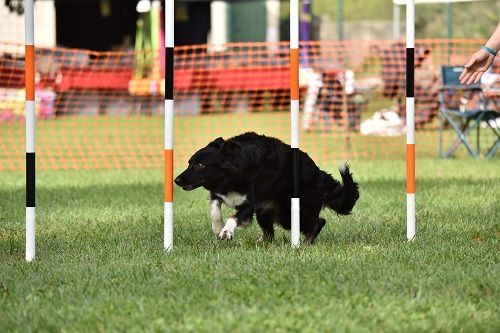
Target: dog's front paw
column 226, row 234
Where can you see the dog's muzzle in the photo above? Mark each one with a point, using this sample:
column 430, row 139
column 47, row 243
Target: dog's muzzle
column 186, row 187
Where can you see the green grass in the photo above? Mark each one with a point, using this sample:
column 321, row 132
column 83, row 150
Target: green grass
column 100, row 265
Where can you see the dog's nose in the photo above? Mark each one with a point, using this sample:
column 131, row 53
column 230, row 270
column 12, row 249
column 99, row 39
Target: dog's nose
column 177, row 180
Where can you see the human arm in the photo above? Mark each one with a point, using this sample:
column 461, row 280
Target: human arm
column 481, row 61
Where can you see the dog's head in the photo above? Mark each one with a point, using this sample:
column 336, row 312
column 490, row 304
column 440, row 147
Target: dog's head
column 209, row 166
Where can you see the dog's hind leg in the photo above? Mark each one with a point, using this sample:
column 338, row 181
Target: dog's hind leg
column 310, row 222
column 265, row 221
column 311, row 235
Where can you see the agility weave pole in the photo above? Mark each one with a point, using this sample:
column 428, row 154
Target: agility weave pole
column 168, row 232
column 169, row 114
column 294, row 118
column 29, row 69
column 410, row 120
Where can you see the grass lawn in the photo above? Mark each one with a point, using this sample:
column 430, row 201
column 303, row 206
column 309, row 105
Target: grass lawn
column 100, row 264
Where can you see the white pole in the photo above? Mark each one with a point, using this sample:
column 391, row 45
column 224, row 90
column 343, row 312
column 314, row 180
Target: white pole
column 29, row 19
column 410, row 120
column 168, row 233
column 294, row 115
column 218, row 27
column 396, row 26
column 273, row 21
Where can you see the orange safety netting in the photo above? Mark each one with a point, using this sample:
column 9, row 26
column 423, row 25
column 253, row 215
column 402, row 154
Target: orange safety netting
column 105, row 110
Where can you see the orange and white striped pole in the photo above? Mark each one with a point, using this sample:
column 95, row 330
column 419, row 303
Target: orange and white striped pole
column 29, row 68
column 410, row 120
column 169, row 127
column 294, row 119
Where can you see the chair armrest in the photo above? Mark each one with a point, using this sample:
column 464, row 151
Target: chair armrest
column 461, row 88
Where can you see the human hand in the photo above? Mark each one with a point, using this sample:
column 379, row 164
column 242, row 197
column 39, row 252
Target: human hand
column 476, row 66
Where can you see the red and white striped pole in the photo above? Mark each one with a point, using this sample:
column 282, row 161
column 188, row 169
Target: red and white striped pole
column 169, row 126
column 294, row 118
column 29, row 68
column 410, row 120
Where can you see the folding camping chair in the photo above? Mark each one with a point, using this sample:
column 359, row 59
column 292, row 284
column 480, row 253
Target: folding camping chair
column 464, row 119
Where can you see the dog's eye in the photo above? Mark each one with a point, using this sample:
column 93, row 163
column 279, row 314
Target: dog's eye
column 199, row 166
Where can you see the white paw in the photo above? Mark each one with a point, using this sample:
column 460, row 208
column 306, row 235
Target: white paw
column 226, row 234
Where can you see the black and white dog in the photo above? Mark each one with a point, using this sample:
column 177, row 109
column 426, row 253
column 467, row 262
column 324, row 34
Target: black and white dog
column 253, row 174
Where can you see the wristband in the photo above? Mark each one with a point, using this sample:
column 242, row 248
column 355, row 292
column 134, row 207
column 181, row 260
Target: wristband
column 490, row 50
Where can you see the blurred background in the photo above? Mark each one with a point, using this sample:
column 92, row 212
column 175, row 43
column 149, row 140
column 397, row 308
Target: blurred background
column 100, row 77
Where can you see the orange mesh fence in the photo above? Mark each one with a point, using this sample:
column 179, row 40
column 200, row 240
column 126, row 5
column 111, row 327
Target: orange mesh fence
column 105, row 110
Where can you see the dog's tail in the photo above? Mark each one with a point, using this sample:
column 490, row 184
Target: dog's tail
column 341, row 197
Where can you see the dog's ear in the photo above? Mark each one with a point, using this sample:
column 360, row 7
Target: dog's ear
column 217, row 142
column 228, row 151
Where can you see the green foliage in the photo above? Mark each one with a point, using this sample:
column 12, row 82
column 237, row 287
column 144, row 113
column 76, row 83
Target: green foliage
column 355, row 10
column 471, row 20
column 100, row 265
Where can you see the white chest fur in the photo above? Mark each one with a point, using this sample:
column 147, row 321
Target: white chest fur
column 232, row 199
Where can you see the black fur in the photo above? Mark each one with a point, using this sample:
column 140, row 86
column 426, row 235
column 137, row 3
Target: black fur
column 260, row 167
